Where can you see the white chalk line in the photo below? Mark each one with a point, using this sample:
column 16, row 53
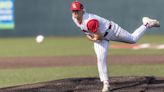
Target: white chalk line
column 137, row 46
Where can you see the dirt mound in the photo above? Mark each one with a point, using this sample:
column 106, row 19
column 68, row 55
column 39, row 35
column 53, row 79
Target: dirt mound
column 118, row 84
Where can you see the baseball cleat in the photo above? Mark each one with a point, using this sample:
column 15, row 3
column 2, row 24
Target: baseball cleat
column 106, row 88
column 150, row 22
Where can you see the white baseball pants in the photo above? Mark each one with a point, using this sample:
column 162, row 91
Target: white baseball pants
column 116, row 33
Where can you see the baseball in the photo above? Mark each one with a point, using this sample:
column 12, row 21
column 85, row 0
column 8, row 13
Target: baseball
column 39, row 38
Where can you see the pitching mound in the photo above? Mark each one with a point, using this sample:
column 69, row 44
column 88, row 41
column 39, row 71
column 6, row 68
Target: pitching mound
column 118, row 84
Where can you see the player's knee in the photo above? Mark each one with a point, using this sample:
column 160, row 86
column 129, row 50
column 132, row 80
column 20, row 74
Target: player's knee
column 100, row 58
column 130, row 42
column 133, row 42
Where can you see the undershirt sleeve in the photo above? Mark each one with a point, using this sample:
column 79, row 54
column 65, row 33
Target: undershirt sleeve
column 93, row 25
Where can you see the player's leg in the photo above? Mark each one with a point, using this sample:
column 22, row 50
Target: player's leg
column 101, row 49
column 116, row 33
column 119, row 34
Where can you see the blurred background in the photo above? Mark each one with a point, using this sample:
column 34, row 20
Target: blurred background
column 53, row 17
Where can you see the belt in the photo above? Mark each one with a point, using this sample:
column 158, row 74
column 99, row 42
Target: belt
column 106, row 33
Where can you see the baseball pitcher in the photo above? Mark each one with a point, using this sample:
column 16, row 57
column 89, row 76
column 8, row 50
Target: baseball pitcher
column 101, row 31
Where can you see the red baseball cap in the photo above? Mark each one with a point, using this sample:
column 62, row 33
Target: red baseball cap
column 76, row 6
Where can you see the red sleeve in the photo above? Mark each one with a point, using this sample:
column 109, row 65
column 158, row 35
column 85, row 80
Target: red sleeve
column 93, row 25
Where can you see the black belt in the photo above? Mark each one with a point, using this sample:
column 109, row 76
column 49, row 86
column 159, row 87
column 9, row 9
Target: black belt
column 106, row 33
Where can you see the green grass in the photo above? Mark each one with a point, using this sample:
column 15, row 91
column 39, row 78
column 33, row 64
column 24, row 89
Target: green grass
column 12, row 77
column 69, row 46
column 52, row 46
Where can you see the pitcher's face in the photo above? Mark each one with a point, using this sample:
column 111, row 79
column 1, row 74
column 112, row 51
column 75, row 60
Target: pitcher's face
column 77, row 14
